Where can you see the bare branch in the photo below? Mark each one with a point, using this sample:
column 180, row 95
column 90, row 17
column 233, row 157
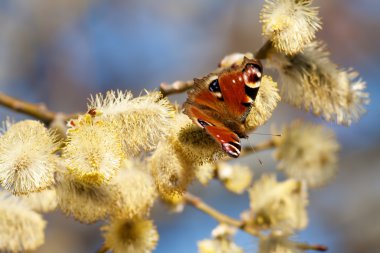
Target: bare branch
column 103, row 249
column 38, row 111
column 269, row 144
column 222, row 218
column 176, row 87
column 316, row 247
column 264, row 51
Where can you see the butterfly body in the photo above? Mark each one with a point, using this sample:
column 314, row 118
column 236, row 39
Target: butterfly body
column 220, row 103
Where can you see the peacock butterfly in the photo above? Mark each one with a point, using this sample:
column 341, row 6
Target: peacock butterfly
column 220, row 102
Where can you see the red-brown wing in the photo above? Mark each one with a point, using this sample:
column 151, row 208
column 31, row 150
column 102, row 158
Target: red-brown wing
column 201, row 117
column 228, row 140
column 203, row 97
column 233, row 90
column 230, row 93
column 240, row 86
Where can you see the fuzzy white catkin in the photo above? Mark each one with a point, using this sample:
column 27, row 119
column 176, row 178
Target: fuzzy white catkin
column 27, row 162
column 312, row 82
column 142, row 121
column 290, row 24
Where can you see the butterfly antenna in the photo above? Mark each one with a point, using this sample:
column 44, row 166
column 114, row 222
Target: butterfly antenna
column 254, row 151
column 277, row 135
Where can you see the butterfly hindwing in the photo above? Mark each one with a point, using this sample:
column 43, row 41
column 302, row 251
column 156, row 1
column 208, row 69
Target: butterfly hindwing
column 229, row 140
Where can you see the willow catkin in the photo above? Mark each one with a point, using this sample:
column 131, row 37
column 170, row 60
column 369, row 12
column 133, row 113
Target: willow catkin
column 27, row 162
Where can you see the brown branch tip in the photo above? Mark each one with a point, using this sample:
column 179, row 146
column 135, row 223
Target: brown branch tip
column 38, row 111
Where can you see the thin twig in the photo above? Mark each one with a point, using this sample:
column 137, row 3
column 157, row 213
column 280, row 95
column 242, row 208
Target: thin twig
column 264, row 50
column 103, row 249
column 316, row 247
column 269, row 144
column 222, row 218
column 38, row 111
column 176, row 87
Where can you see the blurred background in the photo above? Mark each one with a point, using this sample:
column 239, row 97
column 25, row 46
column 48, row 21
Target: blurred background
column 59, row 52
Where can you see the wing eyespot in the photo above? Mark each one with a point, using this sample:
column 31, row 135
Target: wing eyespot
column 203, row 123
column 214, row 86
column 254, row 66
column 215, row 89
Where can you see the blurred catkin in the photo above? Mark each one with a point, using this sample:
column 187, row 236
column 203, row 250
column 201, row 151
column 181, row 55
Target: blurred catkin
column 42, row 202
column 236, row 178
column 21, row 229
column 307, row 152
column 280, row 206
column 222, row 241
column 278, row 244
column 130, row 236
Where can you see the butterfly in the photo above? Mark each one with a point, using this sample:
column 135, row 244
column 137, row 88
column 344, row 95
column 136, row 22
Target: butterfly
column 220, row 103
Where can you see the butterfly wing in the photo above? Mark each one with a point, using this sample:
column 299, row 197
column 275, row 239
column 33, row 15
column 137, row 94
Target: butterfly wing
column 228, row 140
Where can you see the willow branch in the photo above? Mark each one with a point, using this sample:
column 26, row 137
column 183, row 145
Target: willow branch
column 220, row 217
column 103, row 249
column 182, row 86
column 264, row 50
column 38, row 111
column 316, row 247
column 269, row 144
column 176, row 87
